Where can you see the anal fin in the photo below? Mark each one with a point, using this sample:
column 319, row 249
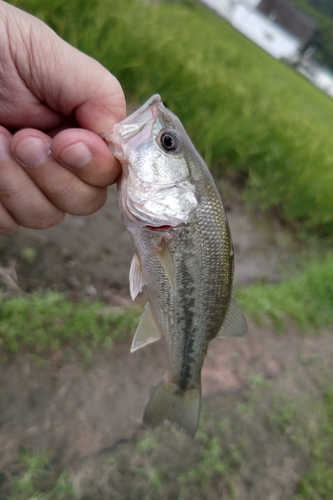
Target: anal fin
column 135, row 277
column 234, row 324
column 147, row 331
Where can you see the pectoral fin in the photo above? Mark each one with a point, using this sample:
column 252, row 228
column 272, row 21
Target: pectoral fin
column 135, row 277
column 147, row 331
column 234, row 324
column 165, row 258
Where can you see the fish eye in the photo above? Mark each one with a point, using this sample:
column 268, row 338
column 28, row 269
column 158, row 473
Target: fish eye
column 169, row 141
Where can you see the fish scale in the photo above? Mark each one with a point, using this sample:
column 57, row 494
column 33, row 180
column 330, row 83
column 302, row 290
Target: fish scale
column 184, row 255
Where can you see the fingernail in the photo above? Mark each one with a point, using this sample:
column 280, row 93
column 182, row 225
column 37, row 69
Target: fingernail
column 4, row 147
column 32, row 151
column 76, row 155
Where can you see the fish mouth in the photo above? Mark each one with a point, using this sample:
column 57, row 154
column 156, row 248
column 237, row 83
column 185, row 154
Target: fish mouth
column 164, row 227
column 134, row 123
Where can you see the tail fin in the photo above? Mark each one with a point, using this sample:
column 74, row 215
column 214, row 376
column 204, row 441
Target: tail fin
column 169, row 403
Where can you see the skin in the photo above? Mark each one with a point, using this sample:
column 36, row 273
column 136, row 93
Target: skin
column 55, row 104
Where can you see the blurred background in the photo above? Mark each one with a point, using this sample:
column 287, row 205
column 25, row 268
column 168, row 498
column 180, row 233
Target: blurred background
column 251, row 81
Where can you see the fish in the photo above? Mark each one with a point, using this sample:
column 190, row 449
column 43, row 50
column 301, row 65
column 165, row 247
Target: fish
column 183, row 255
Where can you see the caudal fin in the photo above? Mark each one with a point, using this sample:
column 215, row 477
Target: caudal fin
column 169, row 403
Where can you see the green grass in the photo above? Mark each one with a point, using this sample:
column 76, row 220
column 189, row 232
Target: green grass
column 317, row 483
column 41, row 324
column 307, row 298
column 39, row 479
column 243, row 110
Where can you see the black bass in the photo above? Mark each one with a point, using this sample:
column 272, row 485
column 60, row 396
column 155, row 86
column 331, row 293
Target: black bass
column 184, row 255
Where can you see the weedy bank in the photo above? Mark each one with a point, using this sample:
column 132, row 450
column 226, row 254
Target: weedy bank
column 244, row 111
column 306, row 298
column 281, row 426
column 41, row 324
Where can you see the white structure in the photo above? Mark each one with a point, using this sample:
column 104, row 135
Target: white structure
column 324, row 80
column 264, row 32
column 258, row 27
column 279, row 29
column 319, row 75
column 225, row 8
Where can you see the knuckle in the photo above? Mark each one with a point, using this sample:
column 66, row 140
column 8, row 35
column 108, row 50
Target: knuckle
column 62, row 189
column 99, row 202
column 97, row 199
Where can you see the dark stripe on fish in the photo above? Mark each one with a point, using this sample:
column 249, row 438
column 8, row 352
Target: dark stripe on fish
column 187, row 301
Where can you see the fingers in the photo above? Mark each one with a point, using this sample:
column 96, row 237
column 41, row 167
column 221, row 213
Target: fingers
column 41, row 179
column 32, row 151
column 87, row 156
column 7, row 223
column 22, row 202
column 104, row 104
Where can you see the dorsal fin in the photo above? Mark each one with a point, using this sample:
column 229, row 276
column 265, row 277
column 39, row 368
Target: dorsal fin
column 135, row 277
column 234, row 324
column 147, row 331
column 165, row 258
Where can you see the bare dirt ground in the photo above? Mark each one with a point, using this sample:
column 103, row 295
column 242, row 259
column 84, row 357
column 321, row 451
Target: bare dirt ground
column 92, row 255
column 78, row 412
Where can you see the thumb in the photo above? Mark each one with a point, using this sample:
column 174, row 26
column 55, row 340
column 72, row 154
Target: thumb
column 67, row 80
column 98, row 100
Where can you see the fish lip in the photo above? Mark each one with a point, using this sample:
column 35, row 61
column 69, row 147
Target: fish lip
column 134, row 123
column 148, row 105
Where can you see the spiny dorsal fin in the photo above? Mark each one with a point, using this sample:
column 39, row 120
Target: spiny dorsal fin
column 147, row 331
column 135, row 277
column 234, row 324
column 165, row 258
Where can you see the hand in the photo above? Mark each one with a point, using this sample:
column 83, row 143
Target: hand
column 47, row 86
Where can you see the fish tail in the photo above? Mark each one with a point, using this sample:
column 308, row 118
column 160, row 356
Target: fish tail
column 172, row 404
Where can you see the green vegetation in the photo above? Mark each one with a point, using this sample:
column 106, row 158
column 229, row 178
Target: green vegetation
column 318, row 482
column 244, row 111
column 307, row 298
column 41, row 324
column 38, row 479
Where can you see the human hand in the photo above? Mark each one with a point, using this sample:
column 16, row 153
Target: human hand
column 47, row 87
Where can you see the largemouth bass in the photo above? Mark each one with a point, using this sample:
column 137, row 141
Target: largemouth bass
column 184, row 255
